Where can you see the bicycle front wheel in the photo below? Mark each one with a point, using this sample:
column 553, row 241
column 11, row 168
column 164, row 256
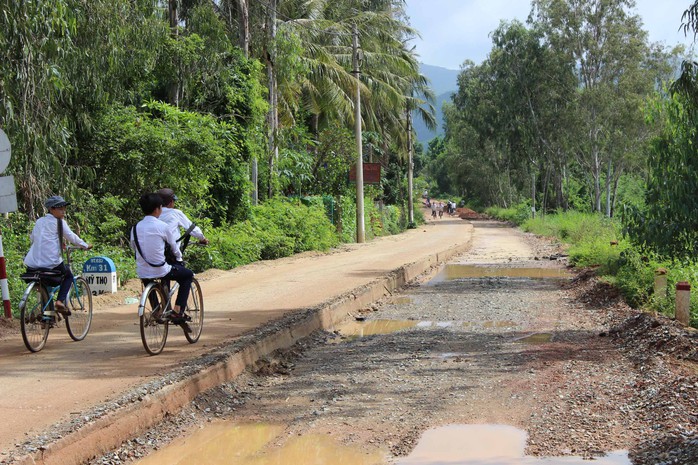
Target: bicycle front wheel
column 80, row 306
column 153, row 326
column 34, row 328
column 195, row 310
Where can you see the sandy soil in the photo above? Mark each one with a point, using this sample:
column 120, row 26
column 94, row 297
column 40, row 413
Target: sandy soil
column 566, row 361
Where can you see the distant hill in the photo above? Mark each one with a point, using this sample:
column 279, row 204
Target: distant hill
column 443, row 83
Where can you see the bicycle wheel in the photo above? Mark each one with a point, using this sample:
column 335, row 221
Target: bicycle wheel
column 153, row 328
column 34, row 328
column 195, row 310
column 80, row 306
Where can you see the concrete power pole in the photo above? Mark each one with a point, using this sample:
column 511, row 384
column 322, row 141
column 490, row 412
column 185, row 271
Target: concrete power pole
column 410, row 172
column 356, row 61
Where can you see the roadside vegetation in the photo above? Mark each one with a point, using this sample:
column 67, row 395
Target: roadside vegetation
column 246, row 110
column 580, row 130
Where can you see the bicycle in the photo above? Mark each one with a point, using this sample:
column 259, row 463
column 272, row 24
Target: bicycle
column 38, row 314
column 155, row 312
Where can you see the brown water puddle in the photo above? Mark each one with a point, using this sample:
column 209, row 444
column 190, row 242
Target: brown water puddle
column 456, row 271
column 488, row 445
column 257, row 444
column 537, row 338
column 374, row 327
column 356, row 329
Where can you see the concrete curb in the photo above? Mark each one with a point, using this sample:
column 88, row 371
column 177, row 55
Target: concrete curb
column 108, row 432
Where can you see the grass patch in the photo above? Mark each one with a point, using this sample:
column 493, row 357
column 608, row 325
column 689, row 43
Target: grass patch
column 596, row 241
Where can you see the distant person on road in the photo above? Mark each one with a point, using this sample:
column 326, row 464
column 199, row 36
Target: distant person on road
column 176, row 219
column 433, row 210
column 441, row 209
column 148, row 239
column 46, row 251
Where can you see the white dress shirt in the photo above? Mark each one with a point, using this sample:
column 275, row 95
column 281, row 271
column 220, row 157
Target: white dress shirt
column 176, row 219
column 45, row 251
column 152, row 235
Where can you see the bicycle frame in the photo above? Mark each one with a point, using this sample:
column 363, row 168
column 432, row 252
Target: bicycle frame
column 144, row 295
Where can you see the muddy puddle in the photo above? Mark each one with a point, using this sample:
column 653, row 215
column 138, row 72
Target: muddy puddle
column 488, row 445
column 263, row 444
column 534, row 339
column 455, row 271
column 358, row 329
column 258, row 444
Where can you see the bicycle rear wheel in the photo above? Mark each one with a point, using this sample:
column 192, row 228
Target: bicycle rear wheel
column 153, row 327
column 195, row 310
column 80, row 306
column 34, row 328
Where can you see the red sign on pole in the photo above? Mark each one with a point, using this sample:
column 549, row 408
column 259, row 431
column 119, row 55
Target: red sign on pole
column 372, row 173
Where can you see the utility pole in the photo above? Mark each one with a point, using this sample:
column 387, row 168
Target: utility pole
column 356, row 61
column 244, row 26
column 410, row 172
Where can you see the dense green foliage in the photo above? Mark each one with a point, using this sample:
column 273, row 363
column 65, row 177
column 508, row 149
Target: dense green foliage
column 556, row 113
column 105, row 100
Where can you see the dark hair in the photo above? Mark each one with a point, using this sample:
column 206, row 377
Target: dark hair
column 150, row 202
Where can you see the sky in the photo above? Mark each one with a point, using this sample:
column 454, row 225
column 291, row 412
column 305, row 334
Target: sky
column 455, row 30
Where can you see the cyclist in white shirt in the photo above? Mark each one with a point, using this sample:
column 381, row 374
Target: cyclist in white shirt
column 148, row 240
column 175, row 218
column 46, row 251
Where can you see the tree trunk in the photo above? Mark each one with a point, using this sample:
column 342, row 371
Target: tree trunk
column 596, row 174
column 272, row 117
column 616, row 178
column 546, row 183
column 533, row 194
column 244, row 26
column 173, row 91
column 609, row 174
column 410, row 172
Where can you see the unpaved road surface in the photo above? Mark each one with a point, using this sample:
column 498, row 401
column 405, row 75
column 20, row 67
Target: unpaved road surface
column 65, row 378
column 564, row 360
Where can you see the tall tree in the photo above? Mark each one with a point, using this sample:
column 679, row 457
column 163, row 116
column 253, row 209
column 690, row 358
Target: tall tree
column 607, row 45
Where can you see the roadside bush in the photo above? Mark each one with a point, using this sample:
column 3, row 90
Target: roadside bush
column 306, row 225
column 516, row 215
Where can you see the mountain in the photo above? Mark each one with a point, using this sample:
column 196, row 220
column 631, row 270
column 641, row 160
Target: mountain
column 443, row 82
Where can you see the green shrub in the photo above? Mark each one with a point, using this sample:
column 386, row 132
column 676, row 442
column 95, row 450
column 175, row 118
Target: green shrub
column 517, row 214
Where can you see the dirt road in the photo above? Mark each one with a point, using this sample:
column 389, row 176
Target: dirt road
column 41, row 389
column 563, row 360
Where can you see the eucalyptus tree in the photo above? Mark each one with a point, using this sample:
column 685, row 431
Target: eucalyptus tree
column 607, row 45
column 668, row 223
column 534, row 91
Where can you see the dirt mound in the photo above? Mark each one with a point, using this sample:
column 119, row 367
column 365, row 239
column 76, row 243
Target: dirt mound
column 468, row 214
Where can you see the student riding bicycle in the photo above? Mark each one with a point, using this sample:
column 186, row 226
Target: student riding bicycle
column 148, row 239
column 46, row 251
column 176, row 218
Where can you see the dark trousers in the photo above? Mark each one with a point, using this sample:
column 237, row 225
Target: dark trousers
column 184, row 277
column 66, row 282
